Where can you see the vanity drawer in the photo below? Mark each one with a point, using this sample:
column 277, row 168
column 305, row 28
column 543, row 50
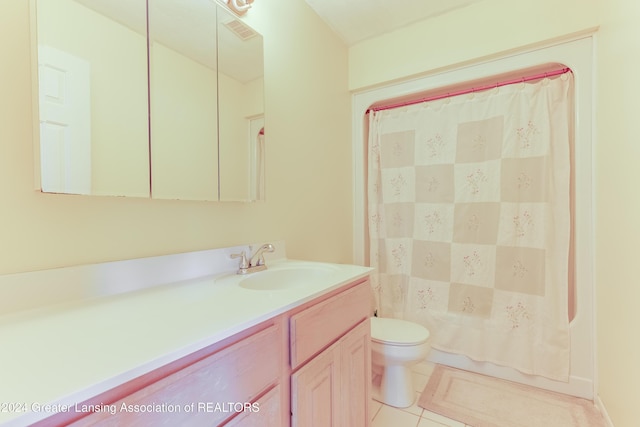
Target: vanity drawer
column 212, row 385
column 321, row 324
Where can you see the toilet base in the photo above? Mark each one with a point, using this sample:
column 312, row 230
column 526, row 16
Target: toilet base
column 394, row 387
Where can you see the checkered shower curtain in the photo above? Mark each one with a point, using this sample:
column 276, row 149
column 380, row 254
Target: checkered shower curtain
column 469, row 222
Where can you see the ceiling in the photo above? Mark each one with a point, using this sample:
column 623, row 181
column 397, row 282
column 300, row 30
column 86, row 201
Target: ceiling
column 357, row 20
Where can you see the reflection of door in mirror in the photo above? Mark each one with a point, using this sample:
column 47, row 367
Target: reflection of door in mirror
column 183, row 99
column 109, row 36
column 257, row 153
column 65, row 122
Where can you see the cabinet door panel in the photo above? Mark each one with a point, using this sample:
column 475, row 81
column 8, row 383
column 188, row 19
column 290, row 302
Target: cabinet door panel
column 355, row 350
column 315, row 391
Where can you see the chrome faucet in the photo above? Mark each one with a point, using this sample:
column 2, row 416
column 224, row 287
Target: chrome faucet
column 255, row 262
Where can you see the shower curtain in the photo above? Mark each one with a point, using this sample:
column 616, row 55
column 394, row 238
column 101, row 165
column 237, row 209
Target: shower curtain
column 469, row 222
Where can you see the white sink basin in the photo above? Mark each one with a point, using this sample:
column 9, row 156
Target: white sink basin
column 287, row 277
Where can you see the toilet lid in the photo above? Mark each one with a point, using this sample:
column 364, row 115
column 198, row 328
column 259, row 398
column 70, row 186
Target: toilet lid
column 398, row 332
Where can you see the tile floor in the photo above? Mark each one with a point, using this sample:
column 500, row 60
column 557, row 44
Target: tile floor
column 413, row 416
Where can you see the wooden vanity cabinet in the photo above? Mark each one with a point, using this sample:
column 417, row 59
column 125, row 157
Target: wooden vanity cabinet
column 308, row 367
column 238, row 378
column 331, row 361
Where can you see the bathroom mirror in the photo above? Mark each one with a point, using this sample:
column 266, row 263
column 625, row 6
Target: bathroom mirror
column 241, row 97
column 92, row 76
column 183, row 99
column 179, row 118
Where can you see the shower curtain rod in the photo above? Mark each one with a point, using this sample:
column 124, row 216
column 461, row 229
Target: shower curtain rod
column 472, row 90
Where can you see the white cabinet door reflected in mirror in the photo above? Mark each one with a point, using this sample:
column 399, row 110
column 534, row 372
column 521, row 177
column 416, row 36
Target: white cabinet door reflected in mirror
column 65, row 122
column 165, row 117
column 93, row 98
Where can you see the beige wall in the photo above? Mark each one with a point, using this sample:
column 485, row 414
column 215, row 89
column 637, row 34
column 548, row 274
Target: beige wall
column 234, row 139
column 184, row 129
column 241, row 101
column 481, row 31
column 308, row 175
column 495, row 27
column 618, row 209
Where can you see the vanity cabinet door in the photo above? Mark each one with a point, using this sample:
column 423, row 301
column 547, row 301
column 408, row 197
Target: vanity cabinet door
column 315, row 391
column 332, row 388
column 356, row 375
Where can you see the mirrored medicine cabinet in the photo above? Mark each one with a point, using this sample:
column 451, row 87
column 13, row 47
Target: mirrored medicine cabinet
column 157, row 98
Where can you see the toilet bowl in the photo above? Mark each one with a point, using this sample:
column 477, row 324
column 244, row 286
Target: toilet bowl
column 396, row 345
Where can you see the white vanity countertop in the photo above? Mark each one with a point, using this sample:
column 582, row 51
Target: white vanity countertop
column 71, row 352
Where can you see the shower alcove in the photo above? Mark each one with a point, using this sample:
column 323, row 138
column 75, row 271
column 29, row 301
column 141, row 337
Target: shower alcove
column 576, row 55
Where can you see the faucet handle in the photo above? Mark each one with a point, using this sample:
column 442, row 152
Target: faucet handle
column 244, row 264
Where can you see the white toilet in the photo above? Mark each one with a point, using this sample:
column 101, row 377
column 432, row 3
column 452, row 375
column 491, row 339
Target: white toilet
column 396, row 345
